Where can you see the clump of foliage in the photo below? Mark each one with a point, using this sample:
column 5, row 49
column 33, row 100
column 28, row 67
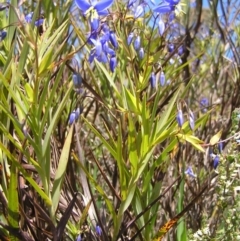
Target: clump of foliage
column 119, row 120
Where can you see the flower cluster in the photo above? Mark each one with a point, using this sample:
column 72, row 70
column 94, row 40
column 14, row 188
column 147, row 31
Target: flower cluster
column 152, row 79
column 136, row 44
column 104, row 46
column 180, row 118
column 102, row 39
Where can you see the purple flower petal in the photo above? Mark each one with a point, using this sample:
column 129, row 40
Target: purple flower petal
column 83, row 5
column 161, row 27
column 102, row 58
column 79, row 238
column 180, row 50
column 98, row 230
column 102, row 5
column 164, row 8
column 130, row 3
column 28, row 17
column 173, row 2
column 139, row 11
column 94, row 22
column 39, row 22
column 98, row 47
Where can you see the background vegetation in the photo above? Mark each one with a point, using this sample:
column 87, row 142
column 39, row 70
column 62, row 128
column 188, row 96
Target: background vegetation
column 124, row 141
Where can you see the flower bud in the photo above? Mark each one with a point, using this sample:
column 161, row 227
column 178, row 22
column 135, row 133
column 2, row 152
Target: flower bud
column 153, row 80
column 216, row 162
column 190, row 172
column 179, row 118
column 203, row 104
column 137, row 43
column 79, row 237
column 141, row 53
column 113, row 63
column 3, row 35
column 170, row 47
column 191, row 120
column 113, row 40
column 162, row 79
column 72, row 117
column 130, row 38
column 98, row 230
column 77, row 80
column 180, row 50
column 220, row 147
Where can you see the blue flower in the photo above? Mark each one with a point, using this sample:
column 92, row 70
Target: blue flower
column 3, row 35
column 94, row 10
column 98, row 47
column 162, row 79
column 190, row 172
column 100, row 6
column 130, row 38
column 179, row 118
column 137, row 43
column 28, row 19
column 171, row 47
column 130, row 3
column 216, row 162
column 113, row 39
column 79, row 237
column 77, row 80
column 152, row 80
column 139, row 11
column 164, row 8
column 203, row 104
column 113, row 63
column 141, row 53
column 180, row 50
column 171, row 17
column 74, row 116
column 220, row 147
column 98, row 230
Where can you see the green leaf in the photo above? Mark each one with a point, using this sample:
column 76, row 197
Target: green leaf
column 215, row 139
column 193, row 140
column 62, row 165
